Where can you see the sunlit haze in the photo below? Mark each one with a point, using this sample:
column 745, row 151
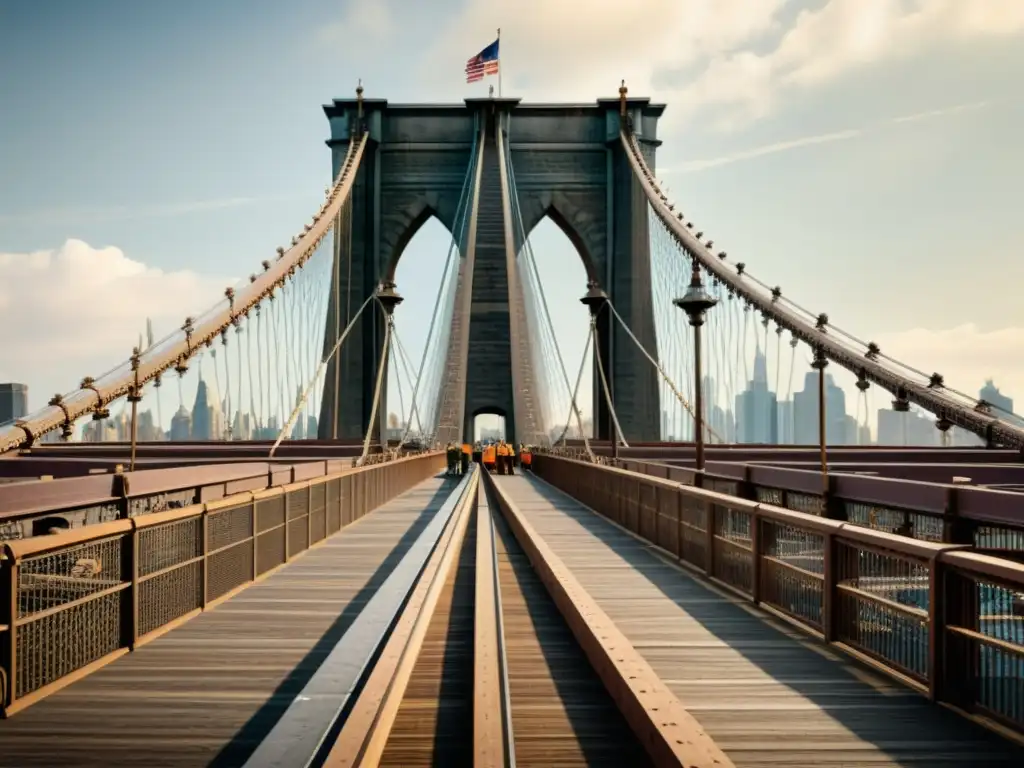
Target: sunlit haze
column 864, row 155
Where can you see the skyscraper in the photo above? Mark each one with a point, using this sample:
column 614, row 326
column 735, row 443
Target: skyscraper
column 13, row 401
column 805, row 412
column 990, row 394
column 757, row 419
column 202, row 413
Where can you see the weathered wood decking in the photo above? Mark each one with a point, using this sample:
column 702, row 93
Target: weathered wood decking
column 767, row 694
column 208, row 691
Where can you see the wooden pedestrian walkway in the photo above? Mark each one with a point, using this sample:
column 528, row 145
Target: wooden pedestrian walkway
column 207, row 692
column 767, row 694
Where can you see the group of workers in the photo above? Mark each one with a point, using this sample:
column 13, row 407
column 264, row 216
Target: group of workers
column 458, row 458
column 497, row 457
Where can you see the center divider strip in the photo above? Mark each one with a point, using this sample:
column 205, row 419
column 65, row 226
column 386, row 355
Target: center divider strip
column 297, row 737
column 364, row 735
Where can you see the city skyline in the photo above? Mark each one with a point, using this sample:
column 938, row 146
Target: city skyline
column 765, row 419
column 778, row 130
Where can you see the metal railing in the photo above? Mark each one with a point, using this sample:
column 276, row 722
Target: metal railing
column 73, row 602
column 988, row 519
column 943, row 619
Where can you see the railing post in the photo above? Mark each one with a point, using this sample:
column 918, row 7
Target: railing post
column 831, row 575
column 952, row 600
column 204, row 531
column 309, row 516
column 679, row 524
column 755, row 557
column 255, row 539
column 745, row 488
column 9, row 615
column 956, row 529
column 936, row 628
column 832, row 506
column 709, row 537
column 287, row 525
column 119, row 489
column 130, row 596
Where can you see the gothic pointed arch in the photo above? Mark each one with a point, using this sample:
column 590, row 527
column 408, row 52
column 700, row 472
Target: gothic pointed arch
column 576, row 221
column 402, row 224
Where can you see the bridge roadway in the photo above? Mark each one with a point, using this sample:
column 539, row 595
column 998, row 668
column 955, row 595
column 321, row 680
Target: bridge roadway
column 210, row 691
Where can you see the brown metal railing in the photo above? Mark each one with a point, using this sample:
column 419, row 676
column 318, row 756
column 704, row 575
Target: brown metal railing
column 986, row 518
column 945, row 620
column 73, row 602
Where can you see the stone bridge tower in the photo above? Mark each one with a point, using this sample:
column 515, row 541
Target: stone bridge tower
column 569, row 165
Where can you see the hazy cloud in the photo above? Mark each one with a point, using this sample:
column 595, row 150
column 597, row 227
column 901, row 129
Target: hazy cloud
column 966, row 356
column 574, row 49
column 823, row 138
column 77, row 310
column 744, row 51
column 839, row 37
column 767, row 149
column 942, row 112
column 362, row 25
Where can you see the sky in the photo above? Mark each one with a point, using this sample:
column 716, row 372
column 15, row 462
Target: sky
column 862, row 154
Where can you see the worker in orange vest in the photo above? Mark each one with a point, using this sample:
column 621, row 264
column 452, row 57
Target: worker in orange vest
column 525, row 456
column 489, row 457
column 467, row 453
column 504, row 458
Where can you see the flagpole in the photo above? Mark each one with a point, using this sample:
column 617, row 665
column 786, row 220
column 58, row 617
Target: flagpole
column 499, row 62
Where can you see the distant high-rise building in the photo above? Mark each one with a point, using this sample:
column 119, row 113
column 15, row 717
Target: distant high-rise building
column 241, row 427
column 148, row 430
column 805, row 412
column 1002, row 404
column 906, row 428
column 181, row 425
column 785, row 413
column 13, row 401
column 757, row 408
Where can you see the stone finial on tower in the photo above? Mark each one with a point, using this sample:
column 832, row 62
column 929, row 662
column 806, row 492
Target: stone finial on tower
column 623, row 90
column 359, row 98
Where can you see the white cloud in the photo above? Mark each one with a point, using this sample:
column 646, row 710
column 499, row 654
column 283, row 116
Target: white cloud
column 841, row 36
column 574, row 49
column 966, row 356
column 77, row 311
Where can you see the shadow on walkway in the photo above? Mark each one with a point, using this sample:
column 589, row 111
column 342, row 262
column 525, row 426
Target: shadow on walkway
column 245, row 741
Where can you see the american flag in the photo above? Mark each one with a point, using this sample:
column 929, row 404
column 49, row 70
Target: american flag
column 483, row 64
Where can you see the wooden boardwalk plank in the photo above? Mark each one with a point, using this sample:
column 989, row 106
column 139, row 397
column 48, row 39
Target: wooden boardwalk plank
column 561, row 713
column 767, row 694
column 207, row 692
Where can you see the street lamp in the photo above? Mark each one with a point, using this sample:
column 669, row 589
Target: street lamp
column 820, row 363
column 595, row 301
column 695, row 303
column 388, row 298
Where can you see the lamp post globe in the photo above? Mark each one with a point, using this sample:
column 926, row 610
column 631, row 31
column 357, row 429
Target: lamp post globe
column 695, row 303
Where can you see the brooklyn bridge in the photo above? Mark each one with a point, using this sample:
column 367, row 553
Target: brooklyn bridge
column 290, row 580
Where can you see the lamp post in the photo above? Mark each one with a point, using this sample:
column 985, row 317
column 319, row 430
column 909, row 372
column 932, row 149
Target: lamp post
column 388, row 298
column 595, row 301
column 819, row 363
column 695, row 303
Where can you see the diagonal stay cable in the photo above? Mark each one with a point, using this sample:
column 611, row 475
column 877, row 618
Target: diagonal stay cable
column 319, row 372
